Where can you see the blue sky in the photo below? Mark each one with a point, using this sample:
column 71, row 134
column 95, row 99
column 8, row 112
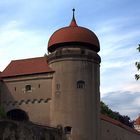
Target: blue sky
column 26, row 25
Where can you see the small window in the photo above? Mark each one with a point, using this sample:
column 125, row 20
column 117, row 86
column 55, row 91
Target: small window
column 80, row 84
column 28, row 87
column 38, row 85
column 15, row 88
column 67, row 129
column 57, row 86
column 82, row 51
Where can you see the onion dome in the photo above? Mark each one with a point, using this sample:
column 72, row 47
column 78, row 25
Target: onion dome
column 73, row 35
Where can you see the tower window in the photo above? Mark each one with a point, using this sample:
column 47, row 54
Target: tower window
column 67, row 129
column 28, row 87
column 80, row 84
column 57, row 86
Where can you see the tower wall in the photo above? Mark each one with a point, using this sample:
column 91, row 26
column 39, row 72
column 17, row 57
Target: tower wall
column 75, row 91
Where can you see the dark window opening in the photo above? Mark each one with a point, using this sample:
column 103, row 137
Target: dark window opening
column 38, row 85
column 67, row 129
column 28, row 88
column 82, row 51
column 15, row 88
column 57, row 86
column 80, row 84
column 17, row 115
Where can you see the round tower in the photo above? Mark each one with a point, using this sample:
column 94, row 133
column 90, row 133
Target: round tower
column 75, row 103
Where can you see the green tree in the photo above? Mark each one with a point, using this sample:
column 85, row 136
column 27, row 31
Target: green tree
column 2, row 112
column 115, row 115
column 137, row 76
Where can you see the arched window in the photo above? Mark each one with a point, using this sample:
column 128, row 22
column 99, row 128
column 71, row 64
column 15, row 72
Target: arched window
column 18, row 115
column 28, row 87
column 80, row 84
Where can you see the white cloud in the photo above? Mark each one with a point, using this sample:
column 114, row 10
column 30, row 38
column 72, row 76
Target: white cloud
column 125, row 102
column 118, row 53
column 133, row 86
column 17, row 43
column 137, row 101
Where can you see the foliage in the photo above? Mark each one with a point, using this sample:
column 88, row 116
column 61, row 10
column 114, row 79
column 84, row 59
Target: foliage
column 115, row 115
column 137, row 64
column 2, row 112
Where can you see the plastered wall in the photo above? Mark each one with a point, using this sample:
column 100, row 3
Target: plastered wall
column 35, row 102
column 110, row 131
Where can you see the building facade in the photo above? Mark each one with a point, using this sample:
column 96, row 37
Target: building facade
column 61, row 89
column 137, row 124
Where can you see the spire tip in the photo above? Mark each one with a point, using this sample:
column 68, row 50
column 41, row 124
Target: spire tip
column 73, row 22
column 73, row 13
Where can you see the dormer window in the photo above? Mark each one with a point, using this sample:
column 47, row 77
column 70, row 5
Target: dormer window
column 28, row 88
column 80, row 84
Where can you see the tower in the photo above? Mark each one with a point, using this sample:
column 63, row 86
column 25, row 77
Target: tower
column 75, row 85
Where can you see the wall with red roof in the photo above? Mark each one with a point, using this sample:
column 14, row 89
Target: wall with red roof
column 137, row 124
column 114, row 130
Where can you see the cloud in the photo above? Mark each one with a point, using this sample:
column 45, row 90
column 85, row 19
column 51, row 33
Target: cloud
column 17, row 43
column 125, row 102
column 118, row 39
column 131, row 86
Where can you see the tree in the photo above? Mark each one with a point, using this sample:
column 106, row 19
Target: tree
column 116, row 115
column 137, row 64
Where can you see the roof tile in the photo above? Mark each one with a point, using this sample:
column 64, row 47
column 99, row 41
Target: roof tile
column 26, row 67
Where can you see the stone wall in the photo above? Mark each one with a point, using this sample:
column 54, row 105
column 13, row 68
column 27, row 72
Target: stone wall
column 110, row 130
column 114, row 130
column 11, row 130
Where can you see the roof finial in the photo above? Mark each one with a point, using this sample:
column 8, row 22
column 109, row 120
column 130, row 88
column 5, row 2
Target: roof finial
column 73, row 22
column 73, row 13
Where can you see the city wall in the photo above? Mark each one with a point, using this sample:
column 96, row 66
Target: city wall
column 12, row 130
column 114, row 130
column 110, row 130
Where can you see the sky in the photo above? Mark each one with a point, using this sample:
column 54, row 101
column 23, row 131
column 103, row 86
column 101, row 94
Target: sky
column 26, row 26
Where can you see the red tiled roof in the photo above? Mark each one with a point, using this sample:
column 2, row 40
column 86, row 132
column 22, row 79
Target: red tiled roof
column 73, row 34
column 137, row 122
column 26, row 67
column 117, row 123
